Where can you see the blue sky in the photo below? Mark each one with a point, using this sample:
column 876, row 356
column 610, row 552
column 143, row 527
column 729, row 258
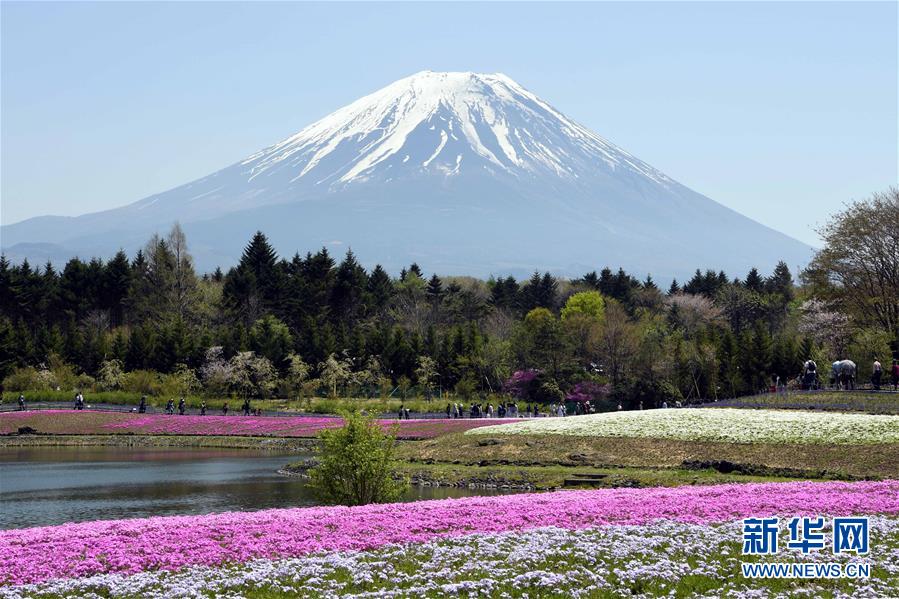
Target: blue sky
column 783, row 111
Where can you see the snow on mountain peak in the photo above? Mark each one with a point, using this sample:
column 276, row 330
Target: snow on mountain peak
column 446, row 124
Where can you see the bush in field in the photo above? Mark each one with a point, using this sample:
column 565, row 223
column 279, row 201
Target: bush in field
column 216, row 371
column 426, row 373
column 111, row 375
column 523, row 384
column 466, row 388
column 23, row 379
column 183, row 381
column 141, row 381
column 591, row 391
column 63, row 373
column 252, row 374
column 297, row 374
column 651, row 392
column 335, row 373
column 356, row 464
column 550, row 392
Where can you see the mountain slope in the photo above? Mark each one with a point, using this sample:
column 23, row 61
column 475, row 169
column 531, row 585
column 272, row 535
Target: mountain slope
column 463, row 172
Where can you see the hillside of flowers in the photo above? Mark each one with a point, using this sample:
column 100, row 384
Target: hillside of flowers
column 172, row 543
column 68, row 422
column 664, row 558
column 717, row 424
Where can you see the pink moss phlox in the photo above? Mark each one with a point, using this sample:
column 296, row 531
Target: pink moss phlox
column 170, row 543
column 95, row 422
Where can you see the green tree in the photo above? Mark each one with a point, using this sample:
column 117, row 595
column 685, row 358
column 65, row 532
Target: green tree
column 859, row 263
column 426, row 373
column 588, row 303
column 334, row 373
column 356, row 464
column 271, row 338
column 297, row 373
column 111, row 375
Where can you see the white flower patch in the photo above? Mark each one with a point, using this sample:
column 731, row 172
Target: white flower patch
column 715, row 424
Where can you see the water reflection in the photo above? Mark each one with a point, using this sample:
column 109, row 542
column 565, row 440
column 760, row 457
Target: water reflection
column 53, row 485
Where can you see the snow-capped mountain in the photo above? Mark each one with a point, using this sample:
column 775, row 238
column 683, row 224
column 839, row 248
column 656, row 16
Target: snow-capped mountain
column 465, row 173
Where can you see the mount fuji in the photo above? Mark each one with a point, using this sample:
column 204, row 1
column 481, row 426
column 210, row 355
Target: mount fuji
column 464, row 173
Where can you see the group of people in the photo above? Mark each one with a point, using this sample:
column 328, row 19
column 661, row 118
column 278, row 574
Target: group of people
column 503, row 409
column 843, row 375
column 246, row 408
column 170, row 407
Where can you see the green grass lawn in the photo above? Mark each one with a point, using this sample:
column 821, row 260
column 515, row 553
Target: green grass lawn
column 830, row 401
column 878, row 460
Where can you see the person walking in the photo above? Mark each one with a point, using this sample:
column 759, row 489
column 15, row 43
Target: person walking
column 246, row 406
column 142, row 406
column 809, row 376
column 170, row 407
column 895, row 375
column 876, row 374
column 225, row 409
column 21, row 402
column 203, row 408
column 182, row 407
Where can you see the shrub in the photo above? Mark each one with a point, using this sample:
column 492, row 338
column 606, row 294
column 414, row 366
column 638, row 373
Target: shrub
column 523, row 384
column 141, row 381
column 111, row 375
column 356, row 464
column 23, row 379
column 591, row 391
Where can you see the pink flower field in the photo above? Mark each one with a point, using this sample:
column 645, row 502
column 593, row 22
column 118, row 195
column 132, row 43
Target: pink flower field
column 172, row 543
column 62, row 422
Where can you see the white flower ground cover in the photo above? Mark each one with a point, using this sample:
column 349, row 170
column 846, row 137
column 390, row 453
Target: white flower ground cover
column 655, row 560
column 715, row 424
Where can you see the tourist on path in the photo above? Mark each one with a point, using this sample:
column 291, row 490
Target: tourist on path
column 21, row 402
column 203, row 408
column 182, row 406
column 142, row 406
column 876, row 374
column 809, row 377
column 895, row 375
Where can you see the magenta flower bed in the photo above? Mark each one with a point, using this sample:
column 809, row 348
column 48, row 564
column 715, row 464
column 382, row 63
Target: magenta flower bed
column 170, row 543
column 87, row 422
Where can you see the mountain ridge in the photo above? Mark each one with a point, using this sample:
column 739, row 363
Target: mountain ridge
column 433, row 167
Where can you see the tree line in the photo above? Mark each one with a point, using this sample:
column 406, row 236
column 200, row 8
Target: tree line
column 317, row 324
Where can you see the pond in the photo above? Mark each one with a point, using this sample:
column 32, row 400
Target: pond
column 41, row 486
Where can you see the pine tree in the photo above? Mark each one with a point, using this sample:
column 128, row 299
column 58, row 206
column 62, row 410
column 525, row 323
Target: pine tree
column 754, row 281
column 347, row 294
column 140, row 349
column 116, row 284
column 591, row 280
column 380, row 288
column 435, row 288
column 781, row 282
